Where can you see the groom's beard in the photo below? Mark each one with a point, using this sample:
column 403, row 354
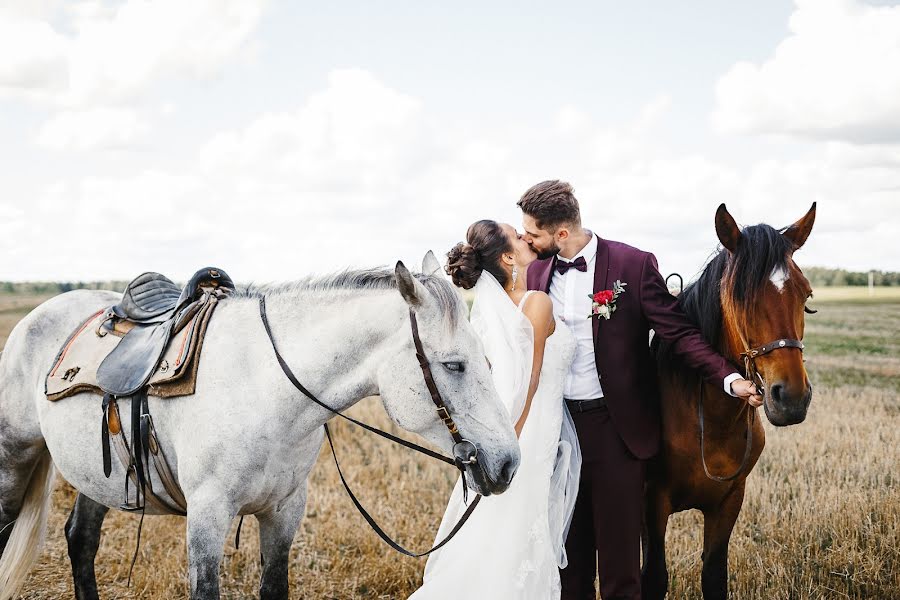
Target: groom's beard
column 547, row 252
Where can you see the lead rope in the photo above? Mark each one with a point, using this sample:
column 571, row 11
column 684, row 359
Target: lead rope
column 296, row 383
column 378, row 530
column 751, row 412
column 375, row 525
column 749, row 435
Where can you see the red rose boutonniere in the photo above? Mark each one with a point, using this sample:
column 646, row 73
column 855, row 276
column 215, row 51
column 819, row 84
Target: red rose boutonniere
column 604, row 302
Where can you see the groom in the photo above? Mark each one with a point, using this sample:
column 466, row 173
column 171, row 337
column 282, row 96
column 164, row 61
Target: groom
column 611, row 387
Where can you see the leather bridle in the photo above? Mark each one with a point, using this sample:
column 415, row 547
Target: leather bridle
column 464, row 451
column 750, row 357
column 752, row 374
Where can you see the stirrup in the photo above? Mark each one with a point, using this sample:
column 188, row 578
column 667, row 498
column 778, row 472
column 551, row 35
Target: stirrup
column 127, row 505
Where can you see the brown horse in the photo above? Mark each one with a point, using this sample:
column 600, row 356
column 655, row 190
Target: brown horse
column 749, row 304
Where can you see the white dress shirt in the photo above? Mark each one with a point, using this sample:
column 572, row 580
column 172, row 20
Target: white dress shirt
column 571, row 294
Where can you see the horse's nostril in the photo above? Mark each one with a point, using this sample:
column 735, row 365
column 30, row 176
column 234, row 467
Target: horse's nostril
column 507, row 471
column 777, row 392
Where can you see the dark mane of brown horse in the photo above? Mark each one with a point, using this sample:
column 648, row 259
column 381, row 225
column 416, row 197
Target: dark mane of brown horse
column 761, row 250
column 748, row 293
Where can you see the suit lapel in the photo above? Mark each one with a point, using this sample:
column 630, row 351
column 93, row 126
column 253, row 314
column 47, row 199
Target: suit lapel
column 543, row 271
column 550, row 272
column 601, row 279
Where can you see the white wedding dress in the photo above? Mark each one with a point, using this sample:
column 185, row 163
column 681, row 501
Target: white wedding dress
column 513, row 544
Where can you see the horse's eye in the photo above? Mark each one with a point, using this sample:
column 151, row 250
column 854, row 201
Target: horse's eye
column 806, row 309
column 456, row 367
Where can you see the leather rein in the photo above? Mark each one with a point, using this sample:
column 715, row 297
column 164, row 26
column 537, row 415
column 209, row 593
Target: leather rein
column 464, row 451
column 752, row 374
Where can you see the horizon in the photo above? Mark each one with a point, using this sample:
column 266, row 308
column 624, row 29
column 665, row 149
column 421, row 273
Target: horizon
column 687, row 279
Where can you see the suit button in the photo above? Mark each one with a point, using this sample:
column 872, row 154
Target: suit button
column 563, row 319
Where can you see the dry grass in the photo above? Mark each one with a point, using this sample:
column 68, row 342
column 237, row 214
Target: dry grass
column 12, row 308
column 821, row 518
column 857, row 293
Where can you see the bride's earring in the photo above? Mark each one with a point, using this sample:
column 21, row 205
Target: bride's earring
column 515, row 276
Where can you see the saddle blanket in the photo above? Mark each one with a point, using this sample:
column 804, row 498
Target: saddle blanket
column 75, row 367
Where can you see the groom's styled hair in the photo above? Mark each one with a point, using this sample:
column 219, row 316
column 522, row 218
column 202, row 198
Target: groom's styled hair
column 551, row 204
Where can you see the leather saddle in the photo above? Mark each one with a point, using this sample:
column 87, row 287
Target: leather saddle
column 152, row 309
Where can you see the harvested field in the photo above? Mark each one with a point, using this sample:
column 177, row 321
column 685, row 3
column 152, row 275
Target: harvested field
column 821, row 518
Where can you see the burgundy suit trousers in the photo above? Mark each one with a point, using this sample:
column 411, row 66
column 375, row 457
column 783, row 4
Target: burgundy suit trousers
column 605, row 535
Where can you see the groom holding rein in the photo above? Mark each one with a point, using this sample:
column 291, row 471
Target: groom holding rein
column 611, row 388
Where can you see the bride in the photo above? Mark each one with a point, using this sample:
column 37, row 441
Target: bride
column 513, row 545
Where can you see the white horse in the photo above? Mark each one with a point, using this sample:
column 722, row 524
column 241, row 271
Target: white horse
column 246, row 441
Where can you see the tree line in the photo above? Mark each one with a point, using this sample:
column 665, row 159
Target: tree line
column 58, row 287
column 818, row 277
column 825, row 277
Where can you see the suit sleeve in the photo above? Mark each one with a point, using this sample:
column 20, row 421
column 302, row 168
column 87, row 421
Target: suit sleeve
column 670, row 323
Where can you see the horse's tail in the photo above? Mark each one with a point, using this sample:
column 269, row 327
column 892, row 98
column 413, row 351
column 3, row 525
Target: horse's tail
column 28, row 531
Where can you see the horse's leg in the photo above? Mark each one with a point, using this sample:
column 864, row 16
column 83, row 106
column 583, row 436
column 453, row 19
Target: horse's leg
column 15, row 473
column 276, row 533
column 208, row 520
column 83, row 537
column 717, row 526
column 655, row 575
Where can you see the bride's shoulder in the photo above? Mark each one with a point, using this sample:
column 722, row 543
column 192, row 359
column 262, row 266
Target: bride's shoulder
column 538, row 307
column 533, row 299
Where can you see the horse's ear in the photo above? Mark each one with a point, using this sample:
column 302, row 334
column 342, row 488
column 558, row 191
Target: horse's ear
column 430, row 264
column 412, row 291
column 727, row 229
column 799, row 231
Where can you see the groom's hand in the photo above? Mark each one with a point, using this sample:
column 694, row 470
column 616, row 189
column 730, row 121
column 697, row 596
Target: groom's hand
column 746, row 389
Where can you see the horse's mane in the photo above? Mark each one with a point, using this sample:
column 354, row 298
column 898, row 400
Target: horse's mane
column 380, row 278
column 760, row 250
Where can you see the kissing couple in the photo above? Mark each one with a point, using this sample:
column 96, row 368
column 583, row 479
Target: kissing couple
column 564, row 317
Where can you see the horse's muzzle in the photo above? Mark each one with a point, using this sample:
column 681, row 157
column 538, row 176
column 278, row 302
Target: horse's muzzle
column 486, row 484
column 784, row 408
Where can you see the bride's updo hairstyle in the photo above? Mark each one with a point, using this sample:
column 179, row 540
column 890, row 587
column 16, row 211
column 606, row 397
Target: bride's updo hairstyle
column 485, row 243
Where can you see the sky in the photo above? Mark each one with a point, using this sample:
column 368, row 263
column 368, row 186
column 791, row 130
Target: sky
column 275, row 139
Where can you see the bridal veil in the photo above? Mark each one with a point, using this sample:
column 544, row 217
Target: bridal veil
column 508, row 341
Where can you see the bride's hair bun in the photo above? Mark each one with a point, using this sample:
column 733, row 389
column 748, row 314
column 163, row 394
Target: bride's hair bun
column 486, row 242
column 463, row 266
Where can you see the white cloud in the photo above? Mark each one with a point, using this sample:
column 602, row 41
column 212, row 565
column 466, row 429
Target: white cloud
column 361, row 174
column 571, row 119
column 356, row 127
column 837, row 76
column 102, row 55
column 32, row 57
column 97, row 128
column 652, row 112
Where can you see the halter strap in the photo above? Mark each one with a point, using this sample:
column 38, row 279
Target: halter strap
column 750, row 356
column 777, row 344
column 442, row 411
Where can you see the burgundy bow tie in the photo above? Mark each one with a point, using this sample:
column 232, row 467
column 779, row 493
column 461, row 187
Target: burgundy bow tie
column 579, row 264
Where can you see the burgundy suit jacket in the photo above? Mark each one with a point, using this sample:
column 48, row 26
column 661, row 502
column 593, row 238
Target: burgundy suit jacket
column 621, row 344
